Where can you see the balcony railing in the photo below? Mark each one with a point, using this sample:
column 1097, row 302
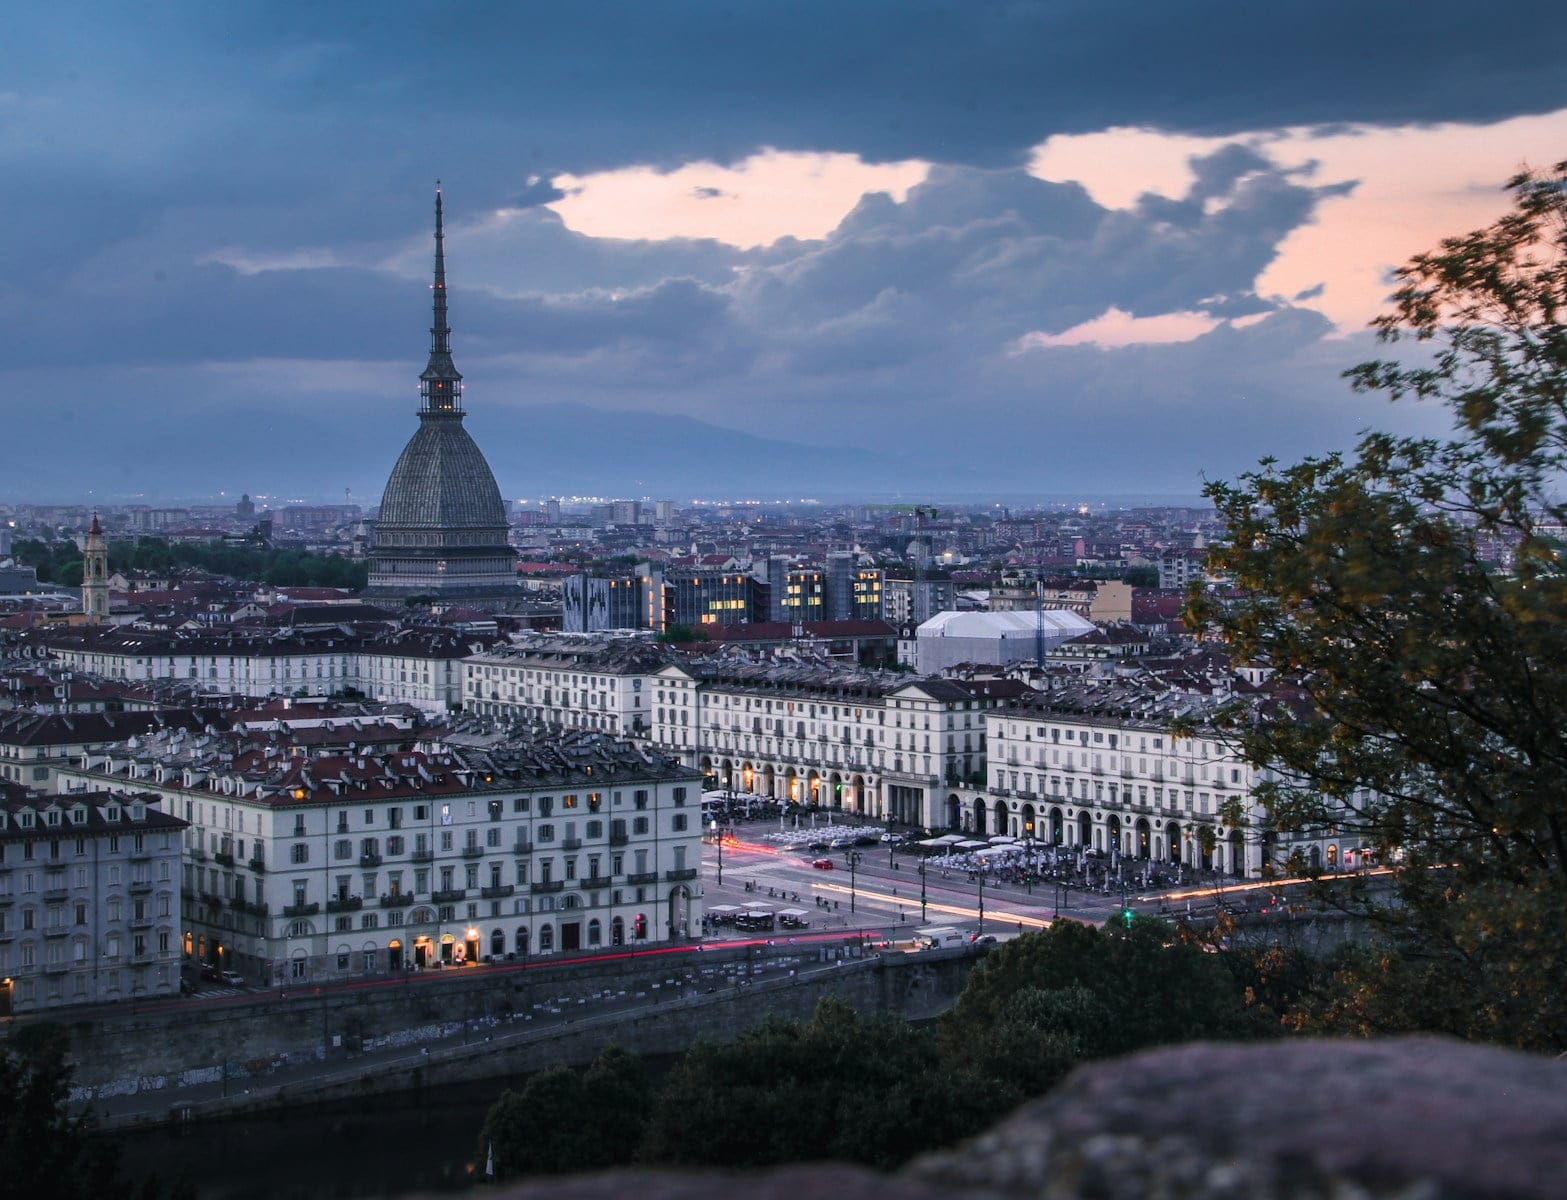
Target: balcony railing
column 223, row 858
column 141, row 885
column 594, row 882
column 473, row 851
column 400, row 900
column 520, row 846
column 369, row 860
column 643, row 877
column 619, row 839
column 343, row 904
column 258, row 865
column 248, row 906
column 682, row 874
column 423, row 854
column 571, row 844
column 301, row 910
column 497, row 891
column 450, row 895
column 548, row 885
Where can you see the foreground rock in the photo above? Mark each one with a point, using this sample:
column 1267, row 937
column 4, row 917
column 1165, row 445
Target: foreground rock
column 1416, row 1118
column 1405, row 1118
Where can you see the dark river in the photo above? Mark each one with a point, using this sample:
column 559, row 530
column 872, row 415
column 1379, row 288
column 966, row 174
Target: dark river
column 389, row 1146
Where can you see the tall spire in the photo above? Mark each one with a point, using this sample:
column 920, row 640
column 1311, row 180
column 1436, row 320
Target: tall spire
column 440, row 387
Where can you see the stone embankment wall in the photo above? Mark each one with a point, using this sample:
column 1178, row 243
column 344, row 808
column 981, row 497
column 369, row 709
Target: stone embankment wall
column 328, row 1044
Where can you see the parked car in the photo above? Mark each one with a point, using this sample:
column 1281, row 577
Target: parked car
column 209, row 972
column 232, row 978
column 822, row 864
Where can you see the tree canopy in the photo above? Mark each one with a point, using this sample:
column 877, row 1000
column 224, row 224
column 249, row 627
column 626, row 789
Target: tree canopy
column 1410, row 596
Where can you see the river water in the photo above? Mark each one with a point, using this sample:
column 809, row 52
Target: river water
column 422, row 1141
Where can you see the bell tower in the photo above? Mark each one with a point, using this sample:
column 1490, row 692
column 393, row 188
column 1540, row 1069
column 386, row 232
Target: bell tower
column 95, row 574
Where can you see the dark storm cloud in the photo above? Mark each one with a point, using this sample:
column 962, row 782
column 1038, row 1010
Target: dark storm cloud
column 626, row 80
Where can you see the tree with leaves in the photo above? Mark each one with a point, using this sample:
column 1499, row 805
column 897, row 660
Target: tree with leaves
column 46, row 1151
column 1046, row 1001
column 567, row 1120
column 1411, row 599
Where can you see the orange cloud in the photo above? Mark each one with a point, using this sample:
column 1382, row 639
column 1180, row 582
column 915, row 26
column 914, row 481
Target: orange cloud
column 771, row 195
column 1414, row 185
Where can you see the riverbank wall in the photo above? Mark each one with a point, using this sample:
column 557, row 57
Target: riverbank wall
column 196, row 1062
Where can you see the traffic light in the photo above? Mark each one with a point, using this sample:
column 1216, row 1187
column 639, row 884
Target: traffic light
column 1126, row 916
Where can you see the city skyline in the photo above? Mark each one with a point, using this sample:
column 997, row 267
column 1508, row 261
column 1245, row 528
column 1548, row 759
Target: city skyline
column 1033, row 249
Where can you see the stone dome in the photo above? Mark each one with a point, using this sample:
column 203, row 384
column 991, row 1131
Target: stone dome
column 442, row 481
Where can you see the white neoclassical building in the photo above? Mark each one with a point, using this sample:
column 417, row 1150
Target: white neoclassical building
column 581, row 682
column 1095, row 765
column 412, row 665
column 89, row 899
column 318, row 862
column 872, row 742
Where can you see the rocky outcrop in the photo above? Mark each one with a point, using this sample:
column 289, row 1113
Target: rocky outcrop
column 1411, row 1118
column 1400, row 1119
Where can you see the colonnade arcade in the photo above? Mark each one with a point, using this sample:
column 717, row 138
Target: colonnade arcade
column 1196, row 844
column 850, row 791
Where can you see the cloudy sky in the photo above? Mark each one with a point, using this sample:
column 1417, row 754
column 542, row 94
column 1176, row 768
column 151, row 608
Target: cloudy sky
column 1099, row 247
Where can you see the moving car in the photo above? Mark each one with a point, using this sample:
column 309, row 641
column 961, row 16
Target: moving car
column 822, row 864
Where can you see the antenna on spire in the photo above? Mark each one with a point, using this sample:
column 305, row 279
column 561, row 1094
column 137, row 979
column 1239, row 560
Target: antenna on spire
column 440, row 387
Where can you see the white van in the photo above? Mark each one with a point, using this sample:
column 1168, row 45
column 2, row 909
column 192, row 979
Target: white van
column 935, row 937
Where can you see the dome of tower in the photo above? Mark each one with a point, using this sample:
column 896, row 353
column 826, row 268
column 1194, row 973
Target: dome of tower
column 441, row 481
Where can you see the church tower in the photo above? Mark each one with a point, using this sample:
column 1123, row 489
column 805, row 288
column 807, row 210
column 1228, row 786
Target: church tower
column 442, row 529
column 95, row 574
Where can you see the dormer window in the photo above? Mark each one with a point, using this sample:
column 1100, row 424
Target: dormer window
column 25, row 818
column 52, row 817
column 111, row 812
column 138, row 811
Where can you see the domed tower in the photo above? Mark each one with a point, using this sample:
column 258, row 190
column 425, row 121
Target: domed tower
column 95, row 574
column 442, row 527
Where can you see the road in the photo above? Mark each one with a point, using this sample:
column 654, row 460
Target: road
column 882, row 893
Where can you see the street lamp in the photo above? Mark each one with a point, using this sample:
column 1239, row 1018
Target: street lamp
column 854, row 857
column 981, row 874
column 1028, row 856
column 923, row 918
column 718, row 840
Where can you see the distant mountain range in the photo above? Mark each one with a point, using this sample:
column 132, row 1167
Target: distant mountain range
column 550, row 449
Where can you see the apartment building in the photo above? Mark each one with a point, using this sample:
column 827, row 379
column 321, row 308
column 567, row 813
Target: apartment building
column 417, row 665
column 319, row 862
column 870, row 742
column 1094, row 764
column 89, row 899
column 578, row 682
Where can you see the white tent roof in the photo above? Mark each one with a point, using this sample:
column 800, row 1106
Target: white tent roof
column 1057, row 624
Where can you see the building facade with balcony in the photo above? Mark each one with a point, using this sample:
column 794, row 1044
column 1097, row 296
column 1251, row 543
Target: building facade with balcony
column 1095, row 765
column 89, row 899
column 874, row 743
column 412, row 665
column 574, row 681
column 303, row 864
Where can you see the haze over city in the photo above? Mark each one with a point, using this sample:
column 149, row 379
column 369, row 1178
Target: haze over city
column 826, row 250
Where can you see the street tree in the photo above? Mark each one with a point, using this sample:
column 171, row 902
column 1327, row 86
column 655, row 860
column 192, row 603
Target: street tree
column 1411, row 598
